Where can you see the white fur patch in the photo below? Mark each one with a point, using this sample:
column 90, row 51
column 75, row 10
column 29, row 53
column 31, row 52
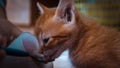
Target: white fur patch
column 63, row 61
column 40, row 8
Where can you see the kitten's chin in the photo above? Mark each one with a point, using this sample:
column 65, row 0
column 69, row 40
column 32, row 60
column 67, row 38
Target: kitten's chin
column 49, row 57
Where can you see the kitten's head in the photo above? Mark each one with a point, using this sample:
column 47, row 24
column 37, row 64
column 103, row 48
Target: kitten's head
column 54, row 28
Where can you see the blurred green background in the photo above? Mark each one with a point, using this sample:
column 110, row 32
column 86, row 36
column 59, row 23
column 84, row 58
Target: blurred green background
column 106, row 12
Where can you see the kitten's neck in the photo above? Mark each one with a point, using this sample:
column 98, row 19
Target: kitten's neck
column 78, row 37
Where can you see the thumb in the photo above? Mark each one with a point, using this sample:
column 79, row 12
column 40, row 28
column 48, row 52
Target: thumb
column 31, row 44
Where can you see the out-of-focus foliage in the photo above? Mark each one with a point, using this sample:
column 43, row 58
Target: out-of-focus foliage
column 106, row 12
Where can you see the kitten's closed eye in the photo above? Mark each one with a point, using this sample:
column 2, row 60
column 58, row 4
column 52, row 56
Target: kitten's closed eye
column 61, row 38
column 46, row 40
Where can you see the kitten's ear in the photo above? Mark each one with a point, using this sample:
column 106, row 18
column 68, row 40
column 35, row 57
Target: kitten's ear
column 65, row 11
column 41, row 8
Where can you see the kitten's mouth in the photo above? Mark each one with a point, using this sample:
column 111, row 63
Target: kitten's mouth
column 50, row 57
column 44, row 59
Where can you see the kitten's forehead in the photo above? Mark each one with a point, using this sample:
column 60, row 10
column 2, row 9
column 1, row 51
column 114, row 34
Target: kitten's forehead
column 53, row 27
